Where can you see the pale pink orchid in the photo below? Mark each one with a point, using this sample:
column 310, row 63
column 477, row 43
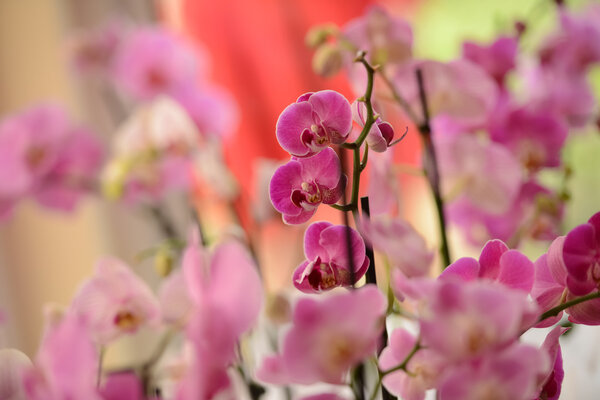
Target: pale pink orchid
column 153, row 61
column 328, row 337
column 300, row 186
column 424, row 367
column 313, row 122
column 224, row 297
column 509, row 374
column 470, row 311
column 483, row 172
column 153, row 153
column 383, row 186
column 66, row 366
column 327, row 265
column 497, row 58
column 404, row 247
column 93, row 52
column 115, row 302
column 460, row 90
column 381, row 133
column 496, row 263
column 47, row 156
column 13, row 363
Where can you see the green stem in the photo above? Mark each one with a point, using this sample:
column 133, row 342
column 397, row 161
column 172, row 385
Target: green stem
column 365, row 158
column 401, row 366
column 554, row 311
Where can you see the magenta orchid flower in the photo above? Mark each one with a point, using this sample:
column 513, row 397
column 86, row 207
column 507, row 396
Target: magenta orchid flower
column 549, row 287
column 152, row 61
column 115, row 302
column 327, row 264
column 496, row 263
column 313, row 122
column 581, row 254
column 551, row 384
column 66, row 366
column 298, row 187
column 497, row 58
column 535, row 137
column 381, row 133
column 328, row 337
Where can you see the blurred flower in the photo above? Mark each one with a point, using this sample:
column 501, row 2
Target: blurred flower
column 497, row 59
column 45, row 155
column 115, row 302
column 552, row 382
column 66, row 365
column 93, row 52
column 12, row 365
column 327, row 265
column 314, row 122
column 300, row 186
column 327, row 338
column 152, row 61
column 581, row 255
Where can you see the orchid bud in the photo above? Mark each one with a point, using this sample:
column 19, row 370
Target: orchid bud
column 328, row 60
column 319, row 34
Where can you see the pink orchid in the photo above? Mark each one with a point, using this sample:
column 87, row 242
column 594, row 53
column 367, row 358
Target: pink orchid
column 152, row 61
column 550, row 386
column 224, row 295
column 510, row 374
column 483, row 172
column 535, row 137
column 400, row 242
column 424, row 367
column 549, row 287
column 576, row 46
column 536, row 212
column 497, row 58
column 581, row 255
column 152, row 152
column 328, row 337
column 313, row 122
column 324, row 396
column 93, row 52
column 386, row 39
column 496, row 263
column 327, row 264
column 13, row 364
column 122, row 386
column 460, row 90
column 381, row 133
column 66, row 365
column 115, row 302
column 470, row 311
column 382, row 183
column 45, row 155
column 298, row 187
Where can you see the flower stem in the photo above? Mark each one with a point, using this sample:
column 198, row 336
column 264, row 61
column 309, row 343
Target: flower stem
column 432, row 170
column 401, row 366
column 554, row 311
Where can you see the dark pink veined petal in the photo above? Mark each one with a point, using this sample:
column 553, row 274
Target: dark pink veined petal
column 580, row 288
column 516, row 271
column 304, row 97
column 464, row 269
column 555, row 261
column 489, row 260
column 323, row 168
column 285, row 179
column 578, row 251
column 546, row 291
column 312, row 245
column 586, row 313
column 595, row 222
column 334, row 240
column 332, row 196
column 294, row 119
column 334, row 111
column 301, row 218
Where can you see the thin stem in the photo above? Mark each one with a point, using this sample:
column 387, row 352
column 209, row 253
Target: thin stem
column 365, row 158
column 401, row 366
column 100, row 362
column 432, row 171
column 399, row 99
column 554, row 311
column 164, row 223
column 154, row 358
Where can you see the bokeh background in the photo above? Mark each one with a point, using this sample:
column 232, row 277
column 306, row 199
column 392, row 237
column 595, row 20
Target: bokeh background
column 258, row 54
